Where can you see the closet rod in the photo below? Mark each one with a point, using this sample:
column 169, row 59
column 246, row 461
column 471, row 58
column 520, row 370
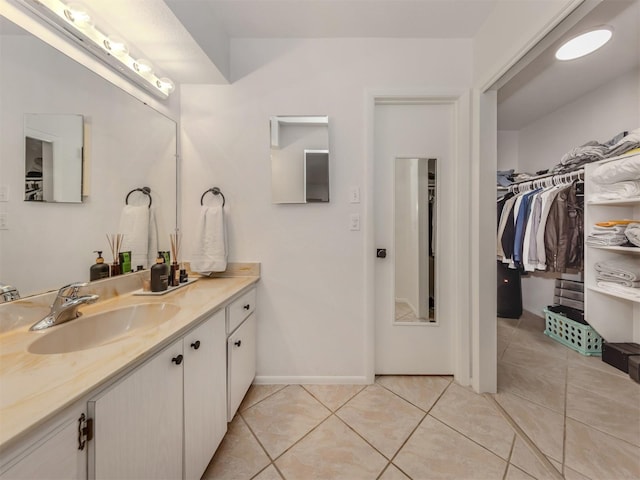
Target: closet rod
column 547, row 180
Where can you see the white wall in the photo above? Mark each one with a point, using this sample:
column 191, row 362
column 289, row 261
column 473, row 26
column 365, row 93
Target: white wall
column 312, row 292
column 507, row 150
column 599, row 115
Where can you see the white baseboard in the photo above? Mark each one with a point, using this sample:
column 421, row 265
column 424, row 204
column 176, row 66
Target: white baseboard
column 309, row 380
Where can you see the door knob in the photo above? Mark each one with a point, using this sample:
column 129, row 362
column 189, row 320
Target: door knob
column 381, row 252
column 195, row 345
column 177, row 360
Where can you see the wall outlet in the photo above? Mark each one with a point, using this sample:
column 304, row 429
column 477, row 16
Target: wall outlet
column 4, row 193
column 354, row 222
column 354, row 195
column 4, row 221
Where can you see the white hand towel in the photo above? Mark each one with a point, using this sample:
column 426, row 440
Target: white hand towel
column 210, row 250
column 134, row 224
column 152, row 248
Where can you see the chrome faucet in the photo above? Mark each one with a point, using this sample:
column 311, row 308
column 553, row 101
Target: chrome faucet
column 8, row 293
column 65, row 306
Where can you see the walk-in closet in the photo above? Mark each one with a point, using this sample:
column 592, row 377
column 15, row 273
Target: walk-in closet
column 567, row 245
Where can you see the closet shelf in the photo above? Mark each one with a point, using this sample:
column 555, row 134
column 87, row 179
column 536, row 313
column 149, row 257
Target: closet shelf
column 615, row 295
column 631, row 250
column 621, row 202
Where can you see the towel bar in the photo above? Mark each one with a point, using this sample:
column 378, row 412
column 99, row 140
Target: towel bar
column 215, row 191
column 145, row 190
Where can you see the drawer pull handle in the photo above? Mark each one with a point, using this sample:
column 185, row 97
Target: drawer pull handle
column 177, row 360
column 247, row 306
column 238, row 343
column 195, row 345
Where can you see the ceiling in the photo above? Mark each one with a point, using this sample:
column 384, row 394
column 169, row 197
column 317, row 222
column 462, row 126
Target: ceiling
column 547, row 84
column 188, row 40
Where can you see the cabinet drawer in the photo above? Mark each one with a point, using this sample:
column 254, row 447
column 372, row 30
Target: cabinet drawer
column 240, row 309
column 241, row 364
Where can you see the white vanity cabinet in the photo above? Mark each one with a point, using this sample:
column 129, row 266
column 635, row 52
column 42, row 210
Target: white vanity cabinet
column 241, row 349
column 55, row 454
column 174, row 401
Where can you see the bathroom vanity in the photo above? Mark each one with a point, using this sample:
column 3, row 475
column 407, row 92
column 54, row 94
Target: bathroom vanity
column 152, row 403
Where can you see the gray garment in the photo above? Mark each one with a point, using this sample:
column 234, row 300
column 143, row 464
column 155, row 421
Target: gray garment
column 632, row 233
column 547, row 200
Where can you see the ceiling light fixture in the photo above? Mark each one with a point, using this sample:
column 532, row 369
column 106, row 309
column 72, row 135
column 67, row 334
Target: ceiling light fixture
column 112, row 50
column 584, row 44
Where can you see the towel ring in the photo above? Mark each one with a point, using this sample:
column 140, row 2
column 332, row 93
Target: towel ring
column 215, row 191
column 145, row 190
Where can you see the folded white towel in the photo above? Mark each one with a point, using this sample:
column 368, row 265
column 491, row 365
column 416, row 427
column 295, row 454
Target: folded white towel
column 621, row 289
column 617, row 171
column 210, row 249
column 615, row 191
column 134, row 224
column 624, row 270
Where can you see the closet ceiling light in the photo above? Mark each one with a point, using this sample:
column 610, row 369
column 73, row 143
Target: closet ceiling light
column 111, row 50
column 584, row 44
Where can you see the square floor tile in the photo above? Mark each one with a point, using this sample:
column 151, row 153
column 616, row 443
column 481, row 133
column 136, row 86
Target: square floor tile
column 437, row 451
column 529, row 383
column 600, row 456
column 534, row 361
column 382, row 418
column 608, row 385
column 539, row 342
column 284, row 418
column 239, row 456
column 543, row 426
column 620, row 419
column 525, row 460
column 514, row 473
column 331, row 451
column 472, row 415
column 269, row 473
column 333, row 396
column 257, row 393
column 421, row 391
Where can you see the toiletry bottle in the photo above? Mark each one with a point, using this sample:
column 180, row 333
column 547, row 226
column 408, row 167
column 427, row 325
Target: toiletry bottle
column 100, row 269
column 159, row 275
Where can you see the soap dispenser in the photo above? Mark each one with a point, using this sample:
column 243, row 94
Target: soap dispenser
column 100, row 270
column 159, row 275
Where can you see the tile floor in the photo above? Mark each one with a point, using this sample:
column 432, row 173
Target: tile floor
column 556, row 414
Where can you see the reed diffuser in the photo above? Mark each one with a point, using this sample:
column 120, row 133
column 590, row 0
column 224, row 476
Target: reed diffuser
column 174, row 272
column 115, row 243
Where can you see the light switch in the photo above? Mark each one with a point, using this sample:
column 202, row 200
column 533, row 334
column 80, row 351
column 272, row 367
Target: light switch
column 354, row 195
column 354, row 222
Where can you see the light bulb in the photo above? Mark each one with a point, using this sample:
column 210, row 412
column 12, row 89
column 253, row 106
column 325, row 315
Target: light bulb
column 78, row 14
column 116, row 46
column 165, row 83
column 142, row 66
column 584, row 44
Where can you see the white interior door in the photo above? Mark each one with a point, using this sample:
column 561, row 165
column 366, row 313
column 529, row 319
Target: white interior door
column 406, row 133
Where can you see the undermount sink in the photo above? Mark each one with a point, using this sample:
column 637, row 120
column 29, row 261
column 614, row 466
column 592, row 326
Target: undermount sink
column 101, row 328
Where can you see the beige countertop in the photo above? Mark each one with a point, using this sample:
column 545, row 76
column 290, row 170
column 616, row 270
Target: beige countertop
column 34, row 388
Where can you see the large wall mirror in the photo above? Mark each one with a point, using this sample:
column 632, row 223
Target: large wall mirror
column 415, row 239
column 299, row 159
column 128, row 145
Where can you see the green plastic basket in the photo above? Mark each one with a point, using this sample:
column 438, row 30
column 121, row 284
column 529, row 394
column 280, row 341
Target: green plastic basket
column 581, row 338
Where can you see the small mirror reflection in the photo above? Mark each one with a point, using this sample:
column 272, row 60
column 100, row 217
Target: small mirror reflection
column 53, row 159
column 415, row 239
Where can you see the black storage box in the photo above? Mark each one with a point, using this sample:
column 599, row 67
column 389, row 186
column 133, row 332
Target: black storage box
column 617, row 354
column 509, row 292
column 634, row 367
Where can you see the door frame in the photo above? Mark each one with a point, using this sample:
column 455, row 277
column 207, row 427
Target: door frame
column 460, row 99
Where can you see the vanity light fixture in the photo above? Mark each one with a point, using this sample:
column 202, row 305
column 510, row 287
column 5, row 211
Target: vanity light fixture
column 584, row 44
column 112, row 50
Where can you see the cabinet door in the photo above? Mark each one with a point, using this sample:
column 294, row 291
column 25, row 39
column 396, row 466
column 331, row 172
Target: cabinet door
column 205, row 393
column 56, row 457
column 241, row 359
column 138, row 422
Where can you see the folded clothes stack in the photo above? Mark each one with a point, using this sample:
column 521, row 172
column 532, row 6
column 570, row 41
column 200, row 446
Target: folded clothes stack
column 615, row 233
column 615, row 180
column 617, row 273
